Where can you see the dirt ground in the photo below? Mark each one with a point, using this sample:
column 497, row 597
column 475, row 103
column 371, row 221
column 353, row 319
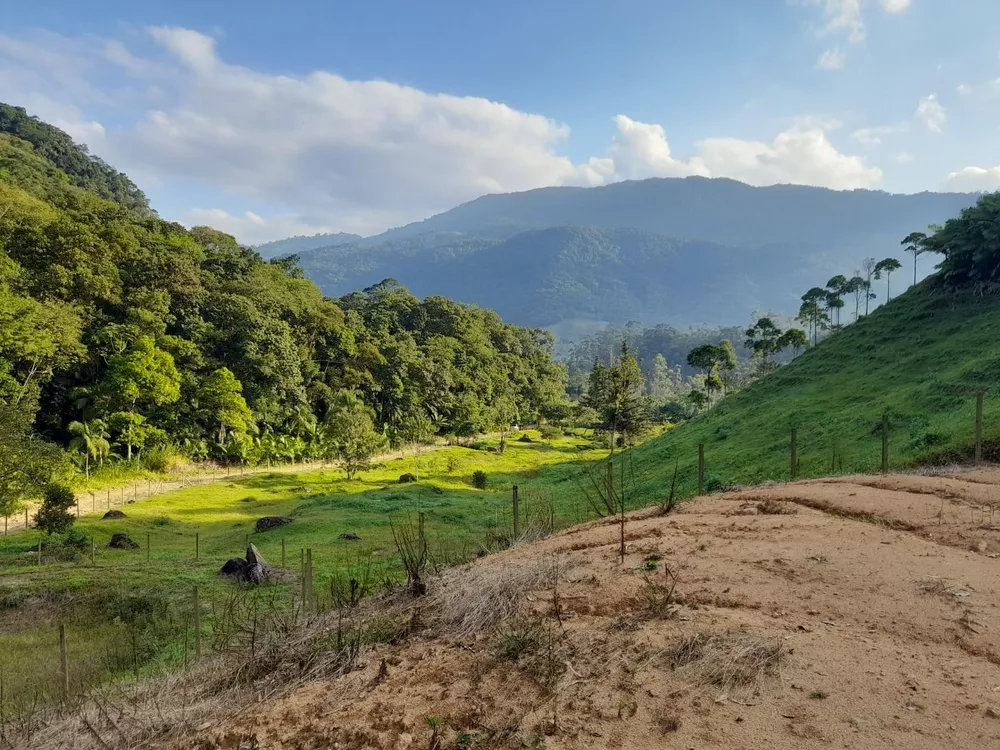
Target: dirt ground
column 857, row 612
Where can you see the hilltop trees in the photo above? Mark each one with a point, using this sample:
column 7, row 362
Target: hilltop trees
column 916, row 244
column 970, row 245
column 868, row 266
column 717, row 361
column 887, row 266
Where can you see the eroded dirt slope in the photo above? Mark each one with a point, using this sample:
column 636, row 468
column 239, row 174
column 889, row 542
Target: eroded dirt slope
column 859, row 612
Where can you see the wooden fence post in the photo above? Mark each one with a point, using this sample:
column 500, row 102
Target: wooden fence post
column 197, row 624
column 147, row 546
column 197, row 546
column 309, row 578
column 77, row 506
column 93, row 502
column 516, row 512
column 701, row 468
column 93, row 550
column 795, row 453
column 63, row 661
column 109, row 498
column 25, row 518
column 979, row 427
column 421, row 539
column 885, row 442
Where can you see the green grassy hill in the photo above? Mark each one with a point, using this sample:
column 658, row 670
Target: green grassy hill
column 921, row 358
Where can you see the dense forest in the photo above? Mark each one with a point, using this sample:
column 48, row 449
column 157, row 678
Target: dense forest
column 123, row 336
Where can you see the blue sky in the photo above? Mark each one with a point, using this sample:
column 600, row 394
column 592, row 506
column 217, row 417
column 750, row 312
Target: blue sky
column 268, row 119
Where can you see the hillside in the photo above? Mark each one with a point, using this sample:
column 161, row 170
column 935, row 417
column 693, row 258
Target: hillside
column 683, row 251
column 777, row 619
column 921, row 357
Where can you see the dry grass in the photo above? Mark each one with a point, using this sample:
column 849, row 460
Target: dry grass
column 478, row 599
column 732, row 660
column 771, row 507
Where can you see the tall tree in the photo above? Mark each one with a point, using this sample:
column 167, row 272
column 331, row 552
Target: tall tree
column 836, row 287
column 90, row 439
column 763, row 337
column 857, row 286
column 868, row 266
column 886, row 267
column 352, row 437
column 221, row 399
column 616, row 394
column 915, row 243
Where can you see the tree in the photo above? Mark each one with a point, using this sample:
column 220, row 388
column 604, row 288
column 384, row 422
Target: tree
column 90, row 438
column 350, row 429
column 915, row 243
column 836, row 287
column 868, row 266
column 814, row 317
column 794, row 339
column 763, row 337
column 221, row 398
column 616, row 394
column 857, row 286
column 54, row 516
column 887, row 266
column 27, row 463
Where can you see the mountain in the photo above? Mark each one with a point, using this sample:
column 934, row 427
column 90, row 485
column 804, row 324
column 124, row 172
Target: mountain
column 687, row 251
column 302, row 243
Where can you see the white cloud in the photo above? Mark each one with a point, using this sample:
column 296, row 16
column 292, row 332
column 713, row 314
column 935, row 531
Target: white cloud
column 842, row 16
column 964, row 89
column 801, row 154
column 974, row 179
column 895, row 6
column 931, row 113
column 318, row 152
column 876, row 135
column 904, row 157
column 831, row 59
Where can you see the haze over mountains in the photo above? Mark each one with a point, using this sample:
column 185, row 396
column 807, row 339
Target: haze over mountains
column 683, row 251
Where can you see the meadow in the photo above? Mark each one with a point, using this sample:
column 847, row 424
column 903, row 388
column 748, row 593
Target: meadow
column 130, row 611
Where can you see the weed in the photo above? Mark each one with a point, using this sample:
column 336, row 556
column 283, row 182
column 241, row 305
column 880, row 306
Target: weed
column 771, row 507
column 479, row 479
column 734, row 659
column 518, row 639
column 668, row 723
column 818, row 695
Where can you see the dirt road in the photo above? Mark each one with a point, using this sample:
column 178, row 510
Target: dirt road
column 866, row 606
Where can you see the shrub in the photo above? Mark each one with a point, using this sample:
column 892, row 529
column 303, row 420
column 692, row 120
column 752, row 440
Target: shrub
column 165, row 460
column 479, row 479
column 549, row 432
column 54, row 516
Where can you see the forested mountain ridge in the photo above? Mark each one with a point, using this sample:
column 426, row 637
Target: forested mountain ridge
column 683, row 251
column 121, row 333
column 302, row 243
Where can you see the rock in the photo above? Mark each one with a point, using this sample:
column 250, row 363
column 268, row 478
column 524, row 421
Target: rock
column 407, row 478
column 122, row 541
column 114, row 513
column 525, row 438
column 271, row 522
column 992, row 712
column 348, row 536
column 252, row 570
column 982, row 547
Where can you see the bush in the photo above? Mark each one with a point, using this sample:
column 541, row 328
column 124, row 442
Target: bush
column 479, row 479
column 549, row 432
column 165, row 460
column 54, row 516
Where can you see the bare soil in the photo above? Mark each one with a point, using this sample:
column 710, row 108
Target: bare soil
column 857, row 612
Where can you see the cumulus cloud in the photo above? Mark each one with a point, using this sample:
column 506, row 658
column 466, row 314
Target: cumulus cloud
column 319, row 152
column 974, row 180
column 842, row 16
column 931, row 113
column 904, row 157
column 801, row 154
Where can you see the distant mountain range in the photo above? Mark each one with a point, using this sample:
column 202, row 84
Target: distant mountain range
column 301, row 243
column 683, row 251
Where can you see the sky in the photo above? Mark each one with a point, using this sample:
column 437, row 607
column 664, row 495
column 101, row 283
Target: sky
column 271, row 119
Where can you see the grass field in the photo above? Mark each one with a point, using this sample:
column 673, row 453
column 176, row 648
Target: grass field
column 126, row 613
column 921, row 358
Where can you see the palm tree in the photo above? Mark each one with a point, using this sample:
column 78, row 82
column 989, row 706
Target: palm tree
column 887, row 266
column 916, row 243
column 90, row 438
